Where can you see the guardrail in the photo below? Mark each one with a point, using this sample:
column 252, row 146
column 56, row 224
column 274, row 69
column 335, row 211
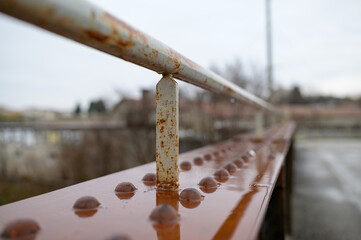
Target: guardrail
column 92, row 26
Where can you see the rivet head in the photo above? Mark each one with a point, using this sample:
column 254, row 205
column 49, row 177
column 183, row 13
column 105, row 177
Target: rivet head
column 190, row 194
column 216, row 154
column 245, row 158
column 150, row 179
column 238, row 163
column 198, row 161
column 86, row 203
column 125, row 190
column 223, row 150
column 20, row 229
column 221, row 175
column 190, row 198
column 119, row 237
column 230, row 167
column 207, row 157
column 185, row 166
column 208, row 185
column 125, row 187
column 164, row 213
column 208, row 182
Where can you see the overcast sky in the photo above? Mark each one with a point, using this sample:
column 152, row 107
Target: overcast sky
column 317, row 44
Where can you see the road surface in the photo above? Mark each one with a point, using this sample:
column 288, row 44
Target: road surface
column 327, row 189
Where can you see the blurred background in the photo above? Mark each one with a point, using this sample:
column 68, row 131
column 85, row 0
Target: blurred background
column 69, row 113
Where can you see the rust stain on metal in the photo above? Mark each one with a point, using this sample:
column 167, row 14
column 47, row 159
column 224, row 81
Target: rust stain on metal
column 133, row 33
column 167, row 134
column 161, row 121
column 50, row 12
column 97, row 36
column 155, row 53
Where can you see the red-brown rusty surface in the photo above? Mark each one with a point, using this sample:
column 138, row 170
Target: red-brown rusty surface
column 235, row 210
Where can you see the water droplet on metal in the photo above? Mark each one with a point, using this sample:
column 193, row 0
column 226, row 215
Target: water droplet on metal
column 86, row 203
column 20, row 229
column 230, row 167
column 238, row 163
column 150, row 179
column 125, row 187
column 164, row 213
column 207, row 157
column 198, row 161
column 208, row 185
column 251, row 153
column 255, row 185
column 185, row 166
column 221, row 175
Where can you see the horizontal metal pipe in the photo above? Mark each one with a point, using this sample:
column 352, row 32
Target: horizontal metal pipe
column 86, row 23
column 62, row 125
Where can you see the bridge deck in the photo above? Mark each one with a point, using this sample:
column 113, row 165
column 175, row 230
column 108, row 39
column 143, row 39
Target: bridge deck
column 235, row 210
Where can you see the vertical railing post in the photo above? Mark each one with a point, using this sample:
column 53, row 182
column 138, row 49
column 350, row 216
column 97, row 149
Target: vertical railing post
column 259, row 125
column 167, row 147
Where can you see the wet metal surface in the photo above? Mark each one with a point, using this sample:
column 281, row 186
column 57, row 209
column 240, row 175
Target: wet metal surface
column 327, row 189
column 233, row 211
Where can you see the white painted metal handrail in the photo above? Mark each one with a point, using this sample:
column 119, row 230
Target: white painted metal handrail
column 86, row 23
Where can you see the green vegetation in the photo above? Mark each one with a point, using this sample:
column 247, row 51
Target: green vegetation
column 15, row 190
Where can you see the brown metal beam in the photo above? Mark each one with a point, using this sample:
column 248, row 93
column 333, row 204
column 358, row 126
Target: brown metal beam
column 235, row 209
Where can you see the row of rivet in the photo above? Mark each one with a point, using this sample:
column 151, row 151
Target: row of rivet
column 125, row 190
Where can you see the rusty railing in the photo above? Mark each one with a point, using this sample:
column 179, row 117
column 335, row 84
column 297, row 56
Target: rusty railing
column 257, row 159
